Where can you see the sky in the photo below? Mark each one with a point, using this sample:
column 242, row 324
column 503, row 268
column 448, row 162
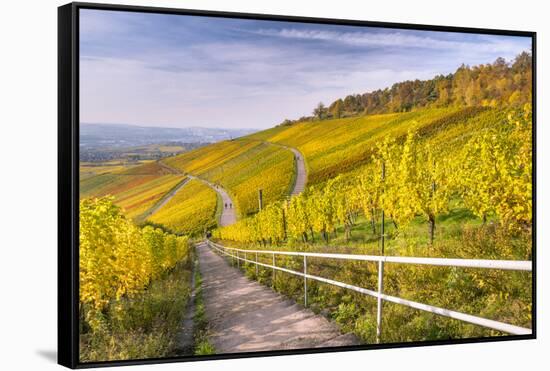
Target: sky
column 182, row 71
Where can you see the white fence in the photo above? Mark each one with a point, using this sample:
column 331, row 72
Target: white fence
column 242, row 255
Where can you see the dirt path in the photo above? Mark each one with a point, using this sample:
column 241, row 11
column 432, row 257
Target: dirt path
column 301, row 172
column 245, row 316
column 228, row 216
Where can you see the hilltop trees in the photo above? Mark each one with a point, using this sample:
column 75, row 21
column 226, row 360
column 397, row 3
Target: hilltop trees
column 336, row 109
column 320, row 111
column 501, row 83
column 497, row 84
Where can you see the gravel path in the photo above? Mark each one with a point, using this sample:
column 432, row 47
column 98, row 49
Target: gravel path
column 301, row 172
column 228, row 216
column 245, row 316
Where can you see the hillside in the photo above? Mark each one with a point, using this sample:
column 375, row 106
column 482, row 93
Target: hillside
column 135, row 189
column 263, row 160
column 337, row 151
column 337, row 146
column 242, row 166
column 450, row 182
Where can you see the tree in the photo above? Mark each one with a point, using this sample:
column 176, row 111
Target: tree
column 337, row 108
column 320, row 111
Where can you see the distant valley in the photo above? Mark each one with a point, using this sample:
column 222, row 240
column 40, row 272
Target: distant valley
column 123, row 135
column 105, row 142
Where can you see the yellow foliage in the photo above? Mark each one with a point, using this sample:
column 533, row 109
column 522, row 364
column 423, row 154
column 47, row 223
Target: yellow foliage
column 116, row 257
column 190, row 211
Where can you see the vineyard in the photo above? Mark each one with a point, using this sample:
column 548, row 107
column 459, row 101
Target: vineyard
column 132, row 281
column 437, row 180
column 242, row 167
column 135, row 194
column 489, row 175
column 439, row 193
column 191, row 211
column 335, row 146
column 90, row 169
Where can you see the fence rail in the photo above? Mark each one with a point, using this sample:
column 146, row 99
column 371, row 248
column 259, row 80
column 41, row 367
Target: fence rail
column 241, row 255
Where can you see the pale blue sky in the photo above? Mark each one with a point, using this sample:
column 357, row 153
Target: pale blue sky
column 179, row 71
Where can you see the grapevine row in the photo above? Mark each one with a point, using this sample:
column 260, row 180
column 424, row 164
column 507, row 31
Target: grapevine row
column 491, row 173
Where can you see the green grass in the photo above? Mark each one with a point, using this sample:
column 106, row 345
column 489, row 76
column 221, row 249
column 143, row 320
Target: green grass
column 202, row 344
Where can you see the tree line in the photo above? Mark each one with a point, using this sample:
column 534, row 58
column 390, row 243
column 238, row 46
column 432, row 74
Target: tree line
column 497, row 84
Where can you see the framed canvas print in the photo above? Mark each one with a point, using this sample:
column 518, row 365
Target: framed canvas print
column 236, row 185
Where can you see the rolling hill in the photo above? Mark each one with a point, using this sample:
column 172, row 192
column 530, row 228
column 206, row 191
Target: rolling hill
column 330, row 147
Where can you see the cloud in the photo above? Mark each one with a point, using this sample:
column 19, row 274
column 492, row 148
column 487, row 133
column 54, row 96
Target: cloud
column 190, row 71
column 394, row 39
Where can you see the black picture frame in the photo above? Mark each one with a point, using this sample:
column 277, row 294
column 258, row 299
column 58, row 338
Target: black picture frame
column 68, row 180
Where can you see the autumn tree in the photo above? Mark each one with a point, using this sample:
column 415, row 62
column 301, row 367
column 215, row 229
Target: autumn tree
column 337, row 108
column 320, row 111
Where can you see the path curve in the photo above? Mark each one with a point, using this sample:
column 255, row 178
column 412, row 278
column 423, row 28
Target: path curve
column 301, row 172
column 228, row 215
column 245, row 316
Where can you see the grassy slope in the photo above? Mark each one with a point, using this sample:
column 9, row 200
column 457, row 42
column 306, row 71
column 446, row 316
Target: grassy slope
column 242, row 166
column 336, row 146
column 90, row 169
column 445, row 129
column 190, row 211
column 135, row 190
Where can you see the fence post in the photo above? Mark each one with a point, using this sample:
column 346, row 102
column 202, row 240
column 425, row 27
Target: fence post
column 256, row 264
column 238, row 261
column 305, row 281
column 379, row 300
column 380, row 270
column 273, row 276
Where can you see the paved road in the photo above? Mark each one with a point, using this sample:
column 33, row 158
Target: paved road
column 245, row 316
column 301, row 172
